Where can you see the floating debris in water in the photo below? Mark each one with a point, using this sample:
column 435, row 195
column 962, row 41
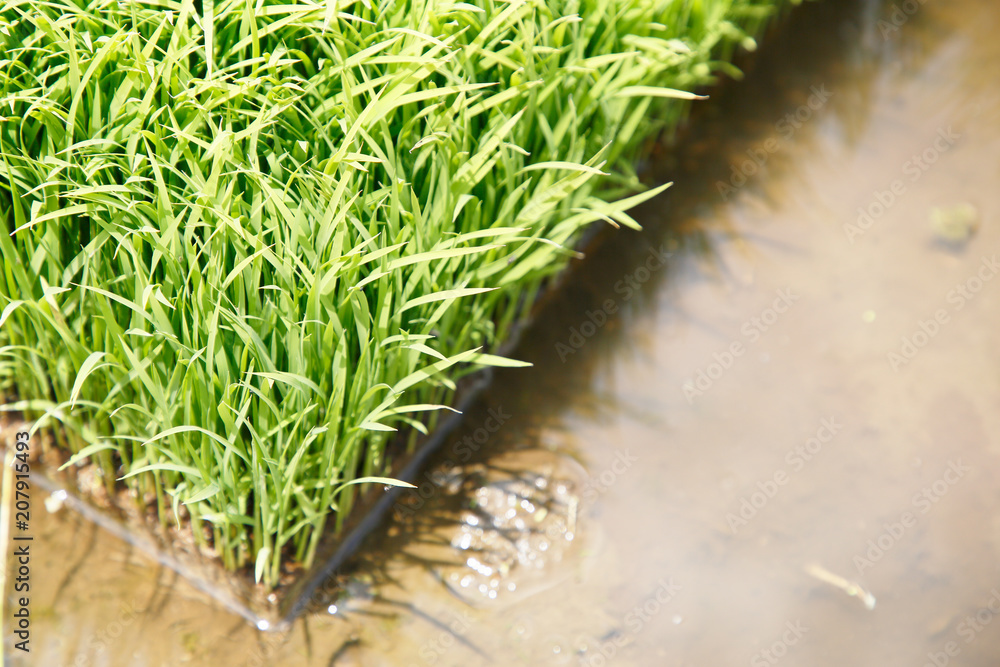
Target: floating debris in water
column 955, row 225
column 55, row 501
column 851, row 588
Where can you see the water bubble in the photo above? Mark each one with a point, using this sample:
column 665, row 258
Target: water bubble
column 464, row 542
column 481, row 568
column 55, row 502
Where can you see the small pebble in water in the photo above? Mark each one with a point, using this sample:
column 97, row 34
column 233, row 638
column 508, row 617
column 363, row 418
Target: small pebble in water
column 955, row 225
column 55, row 502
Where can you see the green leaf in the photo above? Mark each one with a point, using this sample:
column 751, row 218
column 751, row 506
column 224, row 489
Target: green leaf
column 500, row 362
column 655, row 91
column 374, row 480
column 88, row 366
column 204, row 494
column 87, row 452
column 445, row 295
column 258, row 570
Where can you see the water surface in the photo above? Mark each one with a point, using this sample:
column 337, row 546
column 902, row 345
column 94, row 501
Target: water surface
column 778, row 444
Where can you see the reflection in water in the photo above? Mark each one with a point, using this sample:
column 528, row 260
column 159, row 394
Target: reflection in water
column 825, row 495
column 500, row 532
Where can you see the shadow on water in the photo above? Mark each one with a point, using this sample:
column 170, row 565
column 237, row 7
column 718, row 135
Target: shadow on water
column 581, row 329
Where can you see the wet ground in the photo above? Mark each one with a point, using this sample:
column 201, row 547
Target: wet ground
column 775, row 445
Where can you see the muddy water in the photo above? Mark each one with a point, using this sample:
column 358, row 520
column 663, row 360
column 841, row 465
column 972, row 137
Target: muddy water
column 776, row 445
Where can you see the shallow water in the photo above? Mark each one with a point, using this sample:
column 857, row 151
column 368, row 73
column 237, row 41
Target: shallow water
column 717, row 459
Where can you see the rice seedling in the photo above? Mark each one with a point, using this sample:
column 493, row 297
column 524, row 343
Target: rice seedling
column 249, row 244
